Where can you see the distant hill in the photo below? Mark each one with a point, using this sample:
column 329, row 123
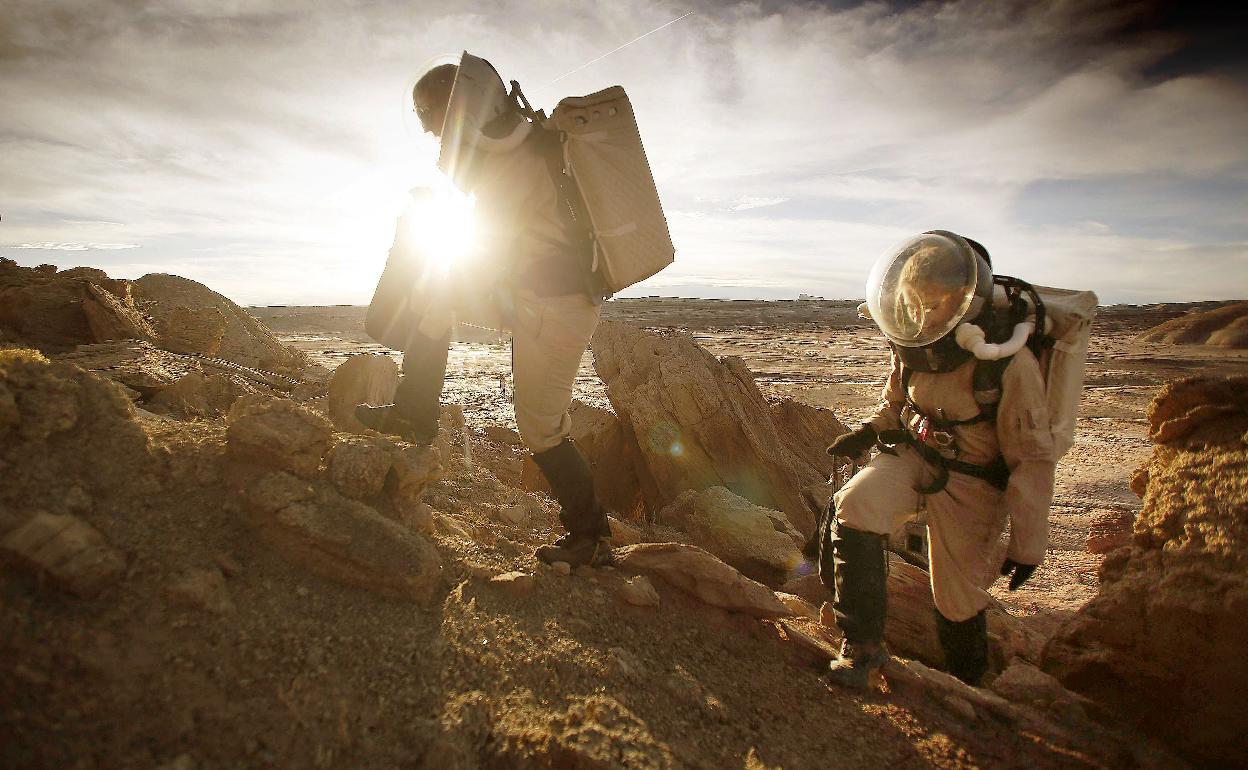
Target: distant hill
column 1223, row 327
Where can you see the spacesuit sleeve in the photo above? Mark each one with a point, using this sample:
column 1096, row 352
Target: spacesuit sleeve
column 1027, row 446
column 888, row 415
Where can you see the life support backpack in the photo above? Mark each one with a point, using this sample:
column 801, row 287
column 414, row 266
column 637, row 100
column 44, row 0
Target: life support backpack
column 1063, row 325
column 603, row 178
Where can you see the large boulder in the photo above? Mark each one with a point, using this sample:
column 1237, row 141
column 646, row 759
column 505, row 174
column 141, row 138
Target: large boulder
column 1163, row 642
column 181, row 312
column 606, row 446
column 705, row 577
column 697, row 421
column 806, row 432
column 365, row 378
column 1223, row 327
column 759, row 542
column 56, row 310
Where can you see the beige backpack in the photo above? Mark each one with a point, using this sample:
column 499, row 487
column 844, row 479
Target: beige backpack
column 603, row 155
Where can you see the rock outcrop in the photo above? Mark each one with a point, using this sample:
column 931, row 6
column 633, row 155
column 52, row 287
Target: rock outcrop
column 59, row 309
column 759, row 542
column 1223, row 327
column 696, row 421
column 278, row 433
column 63, row 429
column 690, row 568
column 1163, row 641
column 182, row 312
column 344, row 540
column 345, row 507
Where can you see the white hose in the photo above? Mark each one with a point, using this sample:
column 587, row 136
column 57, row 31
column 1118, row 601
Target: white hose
column 971, row 337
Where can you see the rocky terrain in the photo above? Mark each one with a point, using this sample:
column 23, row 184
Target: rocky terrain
column 205, row 563
column 1223, row 327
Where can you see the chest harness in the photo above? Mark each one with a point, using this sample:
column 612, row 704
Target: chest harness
column 932, row 436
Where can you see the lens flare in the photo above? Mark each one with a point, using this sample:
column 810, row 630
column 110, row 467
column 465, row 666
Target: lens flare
column 444, row 227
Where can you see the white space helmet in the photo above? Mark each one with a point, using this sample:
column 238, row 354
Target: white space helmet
column 920, row 292
column 478, row 97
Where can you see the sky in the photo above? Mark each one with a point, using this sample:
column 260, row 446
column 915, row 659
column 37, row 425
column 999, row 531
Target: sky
column 264, row 148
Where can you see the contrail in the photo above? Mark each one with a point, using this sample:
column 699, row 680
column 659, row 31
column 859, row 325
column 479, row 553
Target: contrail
column 608, row 53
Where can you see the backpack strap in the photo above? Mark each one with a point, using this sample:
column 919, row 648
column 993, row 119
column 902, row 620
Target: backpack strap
column 986, row 389
column 986, row 384
column 572, row 208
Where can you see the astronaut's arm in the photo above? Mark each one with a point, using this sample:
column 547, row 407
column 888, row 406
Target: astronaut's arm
column 1027, row 446
column 888, row 414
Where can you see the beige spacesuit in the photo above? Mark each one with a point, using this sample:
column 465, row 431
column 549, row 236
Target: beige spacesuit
column 966, row 518
column 964, row 440
column 531, row 276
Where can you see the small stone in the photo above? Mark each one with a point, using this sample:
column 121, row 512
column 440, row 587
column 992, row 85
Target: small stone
column 203, row 589
column 229, row 565
column 358, row 465
column 702, row 575
column 516, row 515
column 69, row 551
column 515, row 583
column 414, row 468
column 447, row 526
column 639, row 592
column 561, row 568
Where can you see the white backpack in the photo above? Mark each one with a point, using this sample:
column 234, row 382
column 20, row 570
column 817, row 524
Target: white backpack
column 1062, row 363
column 603, row 155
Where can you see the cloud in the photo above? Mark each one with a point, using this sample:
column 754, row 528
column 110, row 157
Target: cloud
column 52, row 246
column 263, row 149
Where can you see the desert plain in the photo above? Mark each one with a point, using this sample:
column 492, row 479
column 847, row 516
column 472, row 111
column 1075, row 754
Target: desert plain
column 204, row 565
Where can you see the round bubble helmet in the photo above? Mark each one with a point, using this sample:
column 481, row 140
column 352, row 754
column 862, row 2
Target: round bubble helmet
column 921, row 291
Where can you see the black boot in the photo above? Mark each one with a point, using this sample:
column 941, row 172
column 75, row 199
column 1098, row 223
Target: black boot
column 966, row 646
column 852, row 563
column 571, row 480
column 414, row 414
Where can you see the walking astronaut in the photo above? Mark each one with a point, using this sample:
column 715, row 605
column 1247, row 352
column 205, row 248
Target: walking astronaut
column 966, row 440
column 541, row 271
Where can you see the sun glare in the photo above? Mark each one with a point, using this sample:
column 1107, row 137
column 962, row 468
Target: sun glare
column 444, row 226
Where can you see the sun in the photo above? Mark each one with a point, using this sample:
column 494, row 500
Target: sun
column 443, row 225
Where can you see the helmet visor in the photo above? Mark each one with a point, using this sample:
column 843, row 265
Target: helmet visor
column 922, row 291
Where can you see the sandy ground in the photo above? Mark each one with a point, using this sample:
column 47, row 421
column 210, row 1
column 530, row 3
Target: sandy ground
column 821, row 353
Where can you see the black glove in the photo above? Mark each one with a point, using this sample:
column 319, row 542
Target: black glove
column 1020, row 572
column 854, row 443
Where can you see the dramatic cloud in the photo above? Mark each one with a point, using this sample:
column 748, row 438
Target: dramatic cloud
column 266, row 151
